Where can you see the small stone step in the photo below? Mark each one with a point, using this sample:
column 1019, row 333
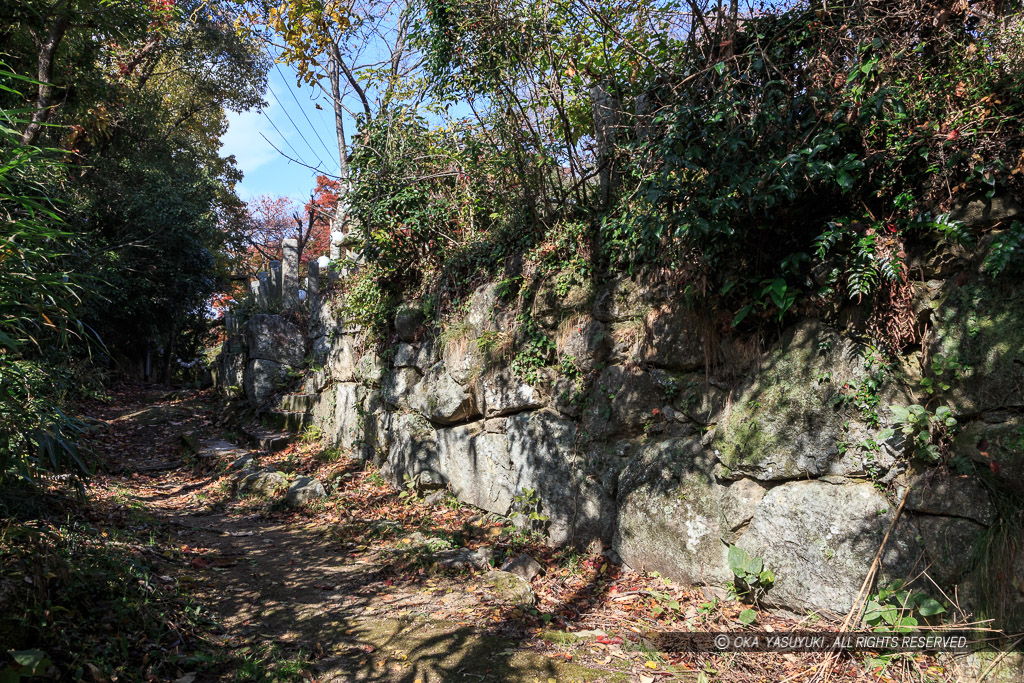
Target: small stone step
column 297, row 403
column 287, row 420
column 272, row 443
column 266, row 440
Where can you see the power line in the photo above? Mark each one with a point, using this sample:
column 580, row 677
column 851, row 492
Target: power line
column 298, row 161
column 290, row 120
column 312, row 127
column 321, row 165
column 283, row 138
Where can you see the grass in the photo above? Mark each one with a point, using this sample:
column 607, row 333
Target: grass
column 93, row 602
column 559, row 637
column 572, row 562
column 328, row 455
column 997, row 552
column 271, row 663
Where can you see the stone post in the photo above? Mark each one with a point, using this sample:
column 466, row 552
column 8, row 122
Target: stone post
column 313, row 280
column 263, row 301
column 333, row 272
column 290, row 273
column 275, row 281
column 606, row 110
column 256, row 289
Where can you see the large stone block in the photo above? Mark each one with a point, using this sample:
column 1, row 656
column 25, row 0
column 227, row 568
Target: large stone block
column 937, row 492
column 413, row 449
column 948, row 543
column 624, row 299
column 981, row 327
column 623, row 401
column 262, row 379
column 342, row 357
column 987, row 211
column 400, row 386
column 409, row 320
column 419, row 356
column 349, row 422
column 232, row 370
column 478, row 467
column 322, row 414
column 369, row 369
column 442, row 399
column 272, row 338
column 544, row 457
column 671, row 513
column 322, row 315
column 583, row 341
column 820, row 540
column 559, row 294
column 671, row 339
column 995, row 444
column 788, row 420
column 462, row 353
column 504, row 393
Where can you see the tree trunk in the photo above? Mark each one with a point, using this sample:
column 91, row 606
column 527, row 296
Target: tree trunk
column 44, row 74
column 341, row 210
column 339, row 124
column 169, row 355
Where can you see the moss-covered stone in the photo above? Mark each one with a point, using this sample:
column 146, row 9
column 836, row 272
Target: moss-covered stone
column 797, row 416
column 510, row 588
column 981, row 326
column 997, row 448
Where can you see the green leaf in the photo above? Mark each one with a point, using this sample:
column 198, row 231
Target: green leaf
column 748, row 617
column 930, row 607
column 899, row 413
column 35, row 661
column 738, row 560
column 872, row 613
column 744, row 312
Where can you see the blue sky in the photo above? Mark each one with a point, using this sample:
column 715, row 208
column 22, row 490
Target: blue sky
column 298, row 123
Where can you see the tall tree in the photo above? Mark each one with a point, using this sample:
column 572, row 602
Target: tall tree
column 357, row 53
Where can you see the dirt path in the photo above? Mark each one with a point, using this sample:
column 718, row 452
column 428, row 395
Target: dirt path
column 353, row 587
column 293, row 595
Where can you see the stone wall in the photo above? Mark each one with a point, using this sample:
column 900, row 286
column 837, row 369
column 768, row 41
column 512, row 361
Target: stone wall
column 645, row 436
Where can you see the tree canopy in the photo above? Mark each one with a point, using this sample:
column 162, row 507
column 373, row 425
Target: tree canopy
column 118, row 200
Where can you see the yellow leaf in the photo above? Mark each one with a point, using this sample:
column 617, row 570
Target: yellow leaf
column 651, row 665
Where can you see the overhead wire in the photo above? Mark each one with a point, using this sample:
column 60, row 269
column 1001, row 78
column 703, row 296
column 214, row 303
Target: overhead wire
column 312, row 127
column 285, row 139
column 295, row 126
column 321, row 166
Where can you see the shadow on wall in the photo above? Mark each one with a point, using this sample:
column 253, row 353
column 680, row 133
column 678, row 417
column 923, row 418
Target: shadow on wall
column 758, row 478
